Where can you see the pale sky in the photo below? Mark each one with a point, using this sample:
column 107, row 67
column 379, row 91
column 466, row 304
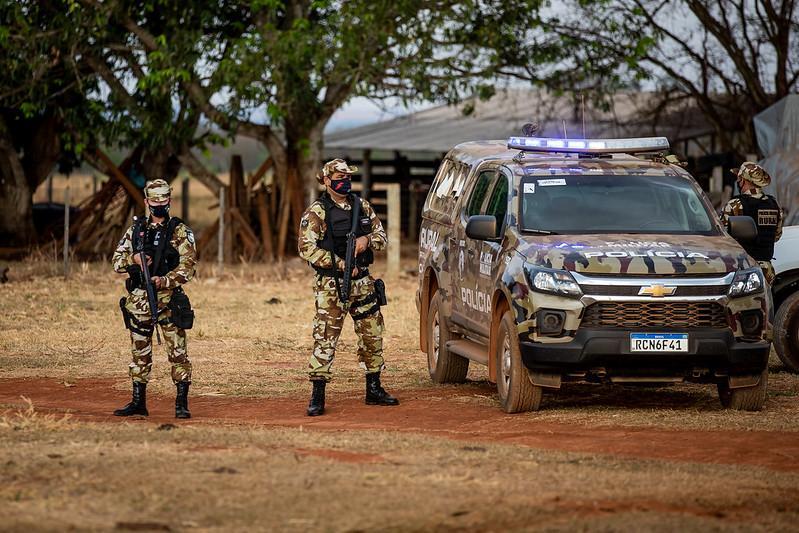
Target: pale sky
column 360, row 111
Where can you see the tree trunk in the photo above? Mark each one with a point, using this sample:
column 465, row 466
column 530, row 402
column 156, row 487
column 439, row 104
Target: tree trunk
column 298, row 184
column 161, row 163
column 16, row 199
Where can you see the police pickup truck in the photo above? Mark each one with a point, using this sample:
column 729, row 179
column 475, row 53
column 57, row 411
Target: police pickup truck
column 586, row 260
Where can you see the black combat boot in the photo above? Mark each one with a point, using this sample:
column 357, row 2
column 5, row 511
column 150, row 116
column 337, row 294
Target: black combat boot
column 316, row 406
column 375, row 394
column 138, row 405
column 182, row 400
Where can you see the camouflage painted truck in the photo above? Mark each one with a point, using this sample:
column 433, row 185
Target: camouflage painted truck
column 554, row 261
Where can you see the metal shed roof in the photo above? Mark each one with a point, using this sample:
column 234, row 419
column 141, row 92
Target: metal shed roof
column 440, row 128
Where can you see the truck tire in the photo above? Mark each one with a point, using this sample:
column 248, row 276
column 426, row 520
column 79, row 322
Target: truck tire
column 444, row 367
column 516, row 392
column 746, row 398
column 786, row 332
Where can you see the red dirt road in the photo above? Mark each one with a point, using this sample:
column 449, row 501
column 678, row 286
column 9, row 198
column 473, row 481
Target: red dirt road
column 423, row 412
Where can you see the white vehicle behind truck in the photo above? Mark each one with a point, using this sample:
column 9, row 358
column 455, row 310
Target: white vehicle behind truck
column 785, row 290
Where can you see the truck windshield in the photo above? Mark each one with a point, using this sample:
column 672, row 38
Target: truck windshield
column 613, row 204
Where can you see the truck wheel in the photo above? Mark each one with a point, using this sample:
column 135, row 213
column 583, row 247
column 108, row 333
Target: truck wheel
column 516, row 392
column 444, row 367
column 786, row 332
column 746, row 398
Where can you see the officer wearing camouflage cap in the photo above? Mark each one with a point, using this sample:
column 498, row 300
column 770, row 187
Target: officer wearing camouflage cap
column 168, row 245
column 763, row 209
column 323, row 242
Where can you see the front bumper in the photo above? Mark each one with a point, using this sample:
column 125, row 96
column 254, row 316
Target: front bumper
column 714, row 350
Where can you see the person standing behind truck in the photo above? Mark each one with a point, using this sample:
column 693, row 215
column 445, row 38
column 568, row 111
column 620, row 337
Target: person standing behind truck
column 764, row 210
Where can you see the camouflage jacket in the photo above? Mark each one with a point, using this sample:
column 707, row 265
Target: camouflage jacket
column 182, row 240
column 313, row 228
column 734, row 208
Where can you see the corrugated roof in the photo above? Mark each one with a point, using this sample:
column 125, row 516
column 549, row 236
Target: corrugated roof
column 440, row 128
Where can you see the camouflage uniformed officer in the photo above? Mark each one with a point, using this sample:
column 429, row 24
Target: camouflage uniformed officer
column 171, row 256
column 763, row 209
column 323, row 243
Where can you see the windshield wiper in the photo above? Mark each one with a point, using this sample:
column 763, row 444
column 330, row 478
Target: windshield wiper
column 540, row 231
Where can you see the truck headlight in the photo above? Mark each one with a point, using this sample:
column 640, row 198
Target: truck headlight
column 746, row 282
column 558, row 282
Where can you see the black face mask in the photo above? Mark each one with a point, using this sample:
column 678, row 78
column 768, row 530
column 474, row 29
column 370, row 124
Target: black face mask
column 342, row 186
column 160, row 211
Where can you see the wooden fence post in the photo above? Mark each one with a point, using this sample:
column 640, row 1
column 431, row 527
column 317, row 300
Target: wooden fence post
column 393, row 199
column 366, row 174
column 220, row 249
column 184, row 197
column 66, row 232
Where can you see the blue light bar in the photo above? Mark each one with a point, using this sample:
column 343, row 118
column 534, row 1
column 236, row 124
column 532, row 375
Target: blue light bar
column 589, row 146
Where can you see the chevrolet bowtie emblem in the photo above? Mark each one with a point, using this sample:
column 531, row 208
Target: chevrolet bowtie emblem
column 656, row 291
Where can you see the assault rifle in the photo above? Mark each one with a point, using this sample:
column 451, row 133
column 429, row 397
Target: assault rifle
column 148, row 287
column 349, row 258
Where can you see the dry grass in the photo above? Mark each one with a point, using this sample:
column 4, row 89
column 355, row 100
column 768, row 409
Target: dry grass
column 252, row 337
column 29, row 418
column 140, row 476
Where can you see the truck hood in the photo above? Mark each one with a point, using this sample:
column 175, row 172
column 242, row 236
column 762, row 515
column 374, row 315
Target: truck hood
column 636, row 254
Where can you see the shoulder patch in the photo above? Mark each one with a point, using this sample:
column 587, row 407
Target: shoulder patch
column 304, row 223
column 189, row 235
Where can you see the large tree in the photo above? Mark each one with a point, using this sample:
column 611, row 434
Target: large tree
column 730, row 59
column 41, row 104
column 291, row 64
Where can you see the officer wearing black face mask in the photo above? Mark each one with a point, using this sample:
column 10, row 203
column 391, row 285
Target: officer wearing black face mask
column 170, row 255
column 323, row 243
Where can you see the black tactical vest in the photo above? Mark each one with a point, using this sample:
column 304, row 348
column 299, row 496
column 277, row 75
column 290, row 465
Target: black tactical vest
column 339, row 223
column 155, row 237
column 766, row 214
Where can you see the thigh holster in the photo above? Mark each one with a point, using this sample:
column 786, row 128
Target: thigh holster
column 140, row 327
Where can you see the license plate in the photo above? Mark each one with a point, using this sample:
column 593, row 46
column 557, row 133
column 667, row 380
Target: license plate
column 658, row 342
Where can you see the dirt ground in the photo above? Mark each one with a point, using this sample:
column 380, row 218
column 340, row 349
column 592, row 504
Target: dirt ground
column 597, row 458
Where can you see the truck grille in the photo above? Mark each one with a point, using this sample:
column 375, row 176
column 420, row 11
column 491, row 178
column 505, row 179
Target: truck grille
column 632, row 290
column 654, row 315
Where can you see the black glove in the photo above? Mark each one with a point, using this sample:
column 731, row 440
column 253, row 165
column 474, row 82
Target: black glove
column 135, row 278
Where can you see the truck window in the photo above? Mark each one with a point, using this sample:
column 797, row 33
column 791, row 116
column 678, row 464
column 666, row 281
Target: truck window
column 479, row 192
column 498, row 203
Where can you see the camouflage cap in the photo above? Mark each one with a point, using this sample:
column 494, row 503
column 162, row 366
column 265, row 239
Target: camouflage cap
column 336, row 165
column 157, row 190
column 753, row 173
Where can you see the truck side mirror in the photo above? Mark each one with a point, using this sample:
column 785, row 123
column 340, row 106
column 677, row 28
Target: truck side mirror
column 482, row 227
column 742, row 228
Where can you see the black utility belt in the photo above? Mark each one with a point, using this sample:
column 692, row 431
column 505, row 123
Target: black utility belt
column 334, row 273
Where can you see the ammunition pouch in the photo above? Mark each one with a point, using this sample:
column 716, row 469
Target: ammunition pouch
column 141, row 327
column 181, row 313
column 135, row 278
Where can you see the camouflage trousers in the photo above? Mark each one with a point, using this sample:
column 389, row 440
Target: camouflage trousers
column 768, row 271
column 142, row 346
column 329, row 319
